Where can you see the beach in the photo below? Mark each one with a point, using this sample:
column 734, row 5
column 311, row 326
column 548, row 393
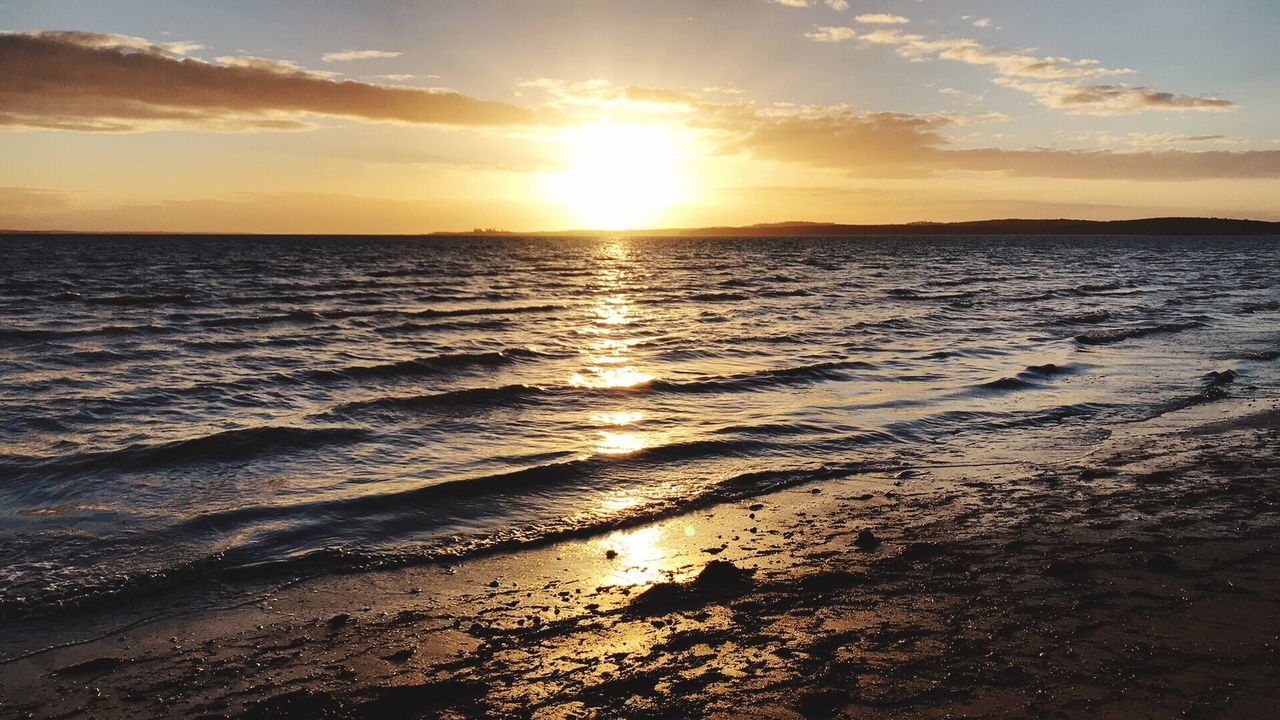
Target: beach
column 1138, row 580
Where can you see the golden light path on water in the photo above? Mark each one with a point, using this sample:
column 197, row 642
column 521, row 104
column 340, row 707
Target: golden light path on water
column 607, row 353
column 638, row 556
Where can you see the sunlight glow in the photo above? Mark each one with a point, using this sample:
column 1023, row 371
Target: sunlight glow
column 640, row 556
column 619, row 443
column 620, row 176
column 601, row 378
column 621, row 417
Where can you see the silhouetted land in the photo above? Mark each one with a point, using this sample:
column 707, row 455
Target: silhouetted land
column 1171, row 226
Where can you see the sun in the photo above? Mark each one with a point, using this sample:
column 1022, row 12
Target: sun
column 620, row 176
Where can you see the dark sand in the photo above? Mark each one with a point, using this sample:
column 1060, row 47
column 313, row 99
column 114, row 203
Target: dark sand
column 1139, row 581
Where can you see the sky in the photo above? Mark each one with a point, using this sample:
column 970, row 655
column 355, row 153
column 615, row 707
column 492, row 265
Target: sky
column 415, row 116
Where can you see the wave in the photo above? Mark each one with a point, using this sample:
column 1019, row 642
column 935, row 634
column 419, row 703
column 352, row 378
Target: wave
column 1087, row 317
column 1032, row 377
column 132, row 300
column 910, row 294
column 1097, row 288
column 508, row 486
column 395, row 512
column 1257, row 307
column 483, row 398
column 487, row 310
column 238, row 444
column 409, row 328
column 421, row 366
column 1214, row 388
column 1107, row 337
column 719, row 297
column 19, row 335
column 802, row 374
column 310, row 316
column 297, row 316
column 469, row 399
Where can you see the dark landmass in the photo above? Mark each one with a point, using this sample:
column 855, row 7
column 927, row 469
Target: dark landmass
column 1139, row 581
column 1173, row 226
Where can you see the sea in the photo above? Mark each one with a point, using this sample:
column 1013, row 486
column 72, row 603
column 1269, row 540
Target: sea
column 180, row 410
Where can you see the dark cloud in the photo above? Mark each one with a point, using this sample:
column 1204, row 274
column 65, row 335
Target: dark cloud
column 89, row 81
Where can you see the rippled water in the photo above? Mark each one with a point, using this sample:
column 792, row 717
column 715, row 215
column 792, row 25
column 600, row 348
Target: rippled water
column 174, row 408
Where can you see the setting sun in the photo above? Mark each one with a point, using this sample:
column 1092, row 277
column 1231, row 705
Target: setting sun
column 620, row 176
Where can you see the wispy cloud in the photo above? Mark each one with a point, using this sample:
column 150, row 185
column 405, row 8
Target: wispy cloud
column 1089, row 99
column 1007, row 62
column 912, row 145
column 349, row 55
column 1046, row 77
column 828, row 33
column 881, row 19
column 100, row 82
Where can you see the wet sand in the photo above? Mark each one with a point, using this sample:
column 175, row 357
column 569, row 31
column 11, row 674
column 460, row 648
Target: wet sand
column 1140, row 580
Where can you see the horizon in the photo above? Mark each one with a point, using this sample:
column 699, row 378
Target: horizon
column 691, row 232
column 428, row 117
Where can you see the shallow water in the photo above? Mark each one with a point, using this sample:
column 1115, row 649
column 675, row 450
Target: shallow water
column 174, row 409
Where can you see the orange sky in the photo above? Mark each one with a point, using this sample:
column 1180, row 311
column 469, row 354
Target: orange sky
column 422, row 116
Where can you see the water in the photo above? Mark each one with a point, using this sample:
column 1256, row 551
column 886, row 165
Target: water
column 182, row 409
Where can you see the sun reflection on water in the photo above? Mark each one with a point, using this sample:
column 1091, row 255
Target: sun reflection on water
column 602, row 377
column 618, row 419
column 619, row 443
column 609, row 363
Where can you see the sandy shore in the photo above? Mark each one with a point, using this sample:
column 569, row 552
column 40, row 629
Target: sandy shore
column 1138, row 580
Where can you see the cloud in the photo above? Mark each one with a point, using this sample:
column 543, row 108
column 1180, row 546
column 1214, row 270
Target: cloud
column 1009, row 63
column 881, row 19
column 793, row 3
column 1159, row 141
column 349, row 55
column 982, row 23
column 902, row 145
column 182, row 47
column 110, row 41
column 1046, row 77
column 99, row 82
column 831, row 34
column 1113, row 99
column 838, row 5
column 281, row 67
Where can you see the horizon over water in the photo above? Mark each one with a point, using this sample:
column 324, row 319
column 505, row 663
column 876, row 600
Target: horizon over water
column 181, row 409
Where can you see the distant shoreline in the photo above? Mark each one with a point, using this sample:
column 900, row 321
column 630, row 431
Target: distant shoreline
column 1155, row 227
